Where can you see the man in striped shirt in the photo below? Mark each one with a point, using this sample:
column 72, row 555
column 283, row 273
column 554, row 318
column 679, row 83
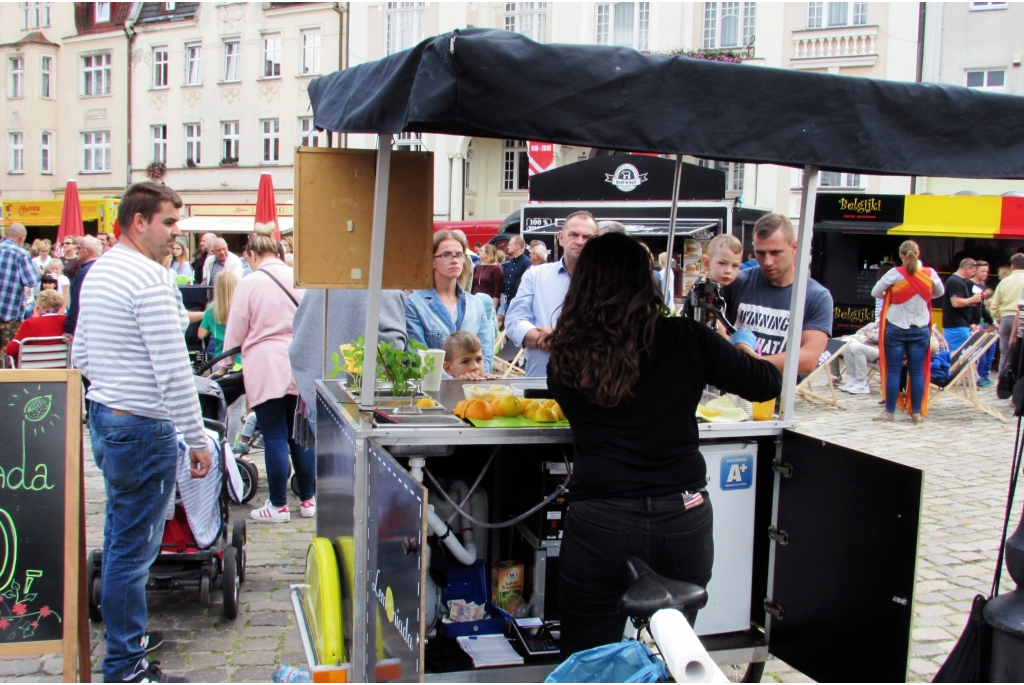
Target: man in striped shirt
column 130, row 344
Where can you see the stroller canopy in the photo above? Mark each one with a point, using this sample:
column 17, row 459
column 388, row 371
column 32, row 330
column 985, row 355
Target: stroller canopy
column 498, row 84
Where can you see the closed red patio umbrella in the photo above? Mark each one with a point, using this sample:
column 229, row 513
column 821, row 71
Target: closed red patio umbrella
column 266, row 208
column 70, row 218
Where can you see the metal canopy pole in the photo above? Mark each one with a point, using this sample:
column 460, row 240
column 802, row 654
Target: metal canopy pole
column 380, row 211
column 798, row 295
column 677, row 178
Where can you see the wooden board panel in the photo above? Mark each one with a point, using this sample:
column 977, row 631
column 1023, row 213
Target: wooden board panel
column 334, row 187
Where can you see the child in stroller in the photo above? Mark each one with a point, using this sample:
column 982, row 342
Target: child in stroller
column 195, row 552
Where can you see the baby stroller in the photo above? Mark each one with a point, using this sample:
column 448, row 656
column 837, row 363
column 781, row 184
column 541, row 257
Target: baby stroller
column 195, row 552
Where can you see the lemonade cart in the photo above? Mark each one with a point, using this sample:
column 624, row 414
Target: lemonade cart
column 815, row 544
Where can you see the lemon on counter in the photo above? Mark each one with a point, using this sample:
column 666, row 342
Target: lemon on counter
column 425, row 403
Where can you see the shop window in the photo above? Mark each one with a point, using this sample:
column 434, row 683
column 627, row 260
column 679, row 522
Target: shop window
column 403, row 25
column 527, row 18
column 624, row 23
column 516, row 166
column 728, row 24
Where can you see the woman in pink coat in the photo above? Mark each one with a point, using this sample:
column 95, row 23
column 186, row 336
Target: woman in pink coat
column 261, row 323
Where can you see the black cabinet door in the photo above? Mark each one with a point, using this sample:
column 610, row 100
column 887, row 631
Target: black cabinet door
column 844, row 579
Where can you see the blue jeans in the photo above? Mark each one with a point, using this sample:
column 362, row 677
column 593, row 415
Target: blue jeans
column 985, row 362
column 276, row 417
column 138, row 457
column 956, row 337
column 911, row 344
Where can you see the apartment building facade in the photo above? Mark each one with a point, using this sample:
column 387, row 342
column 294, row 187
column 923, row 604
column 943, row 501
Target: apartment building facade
column 979, row 45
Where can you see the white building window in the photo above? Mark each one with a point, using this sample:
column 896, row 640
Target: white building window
column 527, row 18
column 403, row 25
column 987, row 80
column 408, row 140
column 17, row 152
column 232, row 54
column 467, row 170
column 46, row 152
column 733, row 172
column 169, row 6
column 821, row 14
column 229, row 140
column 308, row 136
column 160, row 67
column 516, row 166
column 35, row 15
column 311, row 51
column 836, row 179
column 193, row 65
column 17, row 80
column 974, row 6
column 271, row 141
column 96, row 74
column 272, row 55
column 102, row 11
column 159, row 144
column 96, row 152
column 728, row 24
column 193, row 144
column 624, row 23
column 46, row 77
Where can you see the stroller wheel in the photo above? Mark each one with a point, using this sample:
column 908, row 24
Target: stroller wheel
column 95, row 615
column 295, row 485
column 231, row 583
column 238, row 542
column 250, row 478
column 204, row 589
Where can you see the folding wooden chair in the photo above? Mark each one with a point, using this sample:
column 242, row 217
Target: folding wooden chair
column 962, row 382
column 833, row 349
column 43, row 353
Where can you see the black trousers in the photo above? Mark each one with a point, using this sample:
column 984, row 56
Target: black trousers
column 600, row 535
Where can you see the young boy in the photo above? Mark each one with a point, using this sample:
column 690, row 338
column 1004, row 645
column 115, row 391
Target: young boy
column 721, row 265
column 464, row 358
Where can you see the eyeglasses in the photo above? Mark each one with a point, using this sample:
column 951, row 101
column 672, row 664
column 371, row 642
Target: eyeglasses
column 70, row 242
column 449, row 257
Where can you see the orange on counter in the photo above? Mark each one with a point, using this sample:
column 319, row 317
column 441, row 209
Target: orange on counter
column 494, row 406
column 460, row 408
column 480, row 410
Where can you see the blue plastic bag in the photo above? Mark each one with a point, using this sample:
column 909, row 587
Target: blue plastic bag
column 624, row 662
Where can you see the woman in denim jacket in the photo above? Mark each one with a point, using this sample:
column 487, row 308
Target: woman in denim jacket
column 432, row 315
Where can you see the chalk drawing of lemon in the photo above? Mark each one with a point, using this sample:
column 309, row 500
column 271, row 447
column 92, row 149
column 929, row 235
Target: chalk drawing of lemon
column 38, row 408
column 389, row 605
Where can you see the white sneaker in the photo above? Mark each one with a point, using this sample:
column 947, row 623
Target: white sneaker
column 308, row 508
column 269, row 513
column 859, row 388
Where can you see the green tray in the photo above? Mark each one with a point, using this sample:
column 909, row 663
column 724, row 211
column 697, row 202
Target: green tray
column 515, row 422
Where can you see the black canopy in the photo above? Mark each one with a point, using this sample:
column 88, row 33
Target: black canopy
column 498, row 84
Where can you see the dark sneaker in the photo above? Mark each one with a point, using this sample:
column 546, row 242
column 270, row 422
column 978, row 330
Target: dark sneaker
column 149, row 672
column 151, row 641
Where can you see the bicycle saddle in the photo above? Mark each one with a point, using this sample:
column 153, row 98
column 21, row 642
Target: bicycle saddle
column 651, row 592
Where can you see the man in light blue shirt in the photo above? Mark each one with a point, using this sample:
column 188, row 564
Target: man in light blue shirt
column 537, row 305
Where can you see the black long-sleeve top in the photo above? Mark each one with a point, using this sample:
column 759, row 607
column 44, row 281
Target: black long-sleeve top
column 71, row 320
column 647, row 445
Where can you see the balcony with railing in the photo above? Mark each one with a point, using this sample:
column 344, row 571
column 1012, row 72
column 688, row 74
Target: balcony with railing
column 838, row 46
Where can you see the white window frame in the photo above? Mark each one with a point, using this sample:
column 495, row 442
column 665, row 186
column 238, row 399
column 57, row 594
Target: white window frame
column 271, row 56
column 408, row 140
column 35, row 15
column 96, row 74
column 733, row 173
column 403, row 25
column 102, row 12
column 515, row 156
column 232, row 60
column 987, row 76
column 193, row 64
column 95, row 152
column 529, row 19
column 744, row 15
column 161, row 67
column 230, row 140
column 986, row 6
column 308, row 135
column 169, row 6
column 158, row 134
column 193, row 144
column 271, row 140
column 310, row 40
column 467, row 170
column 16, row 141
column 46, row 152
column 820, row 14
column 16, row 70
column 837, row 179
column 606, row 32
column 46, row 76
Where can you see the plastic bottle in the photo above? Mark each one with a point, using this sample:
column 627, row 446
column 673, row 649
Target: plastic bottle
column 291, row 674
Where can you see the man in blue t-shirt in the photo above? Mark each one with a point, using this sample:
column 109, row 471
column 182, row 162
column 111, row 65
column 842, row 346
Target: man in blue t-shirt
column 758, row 300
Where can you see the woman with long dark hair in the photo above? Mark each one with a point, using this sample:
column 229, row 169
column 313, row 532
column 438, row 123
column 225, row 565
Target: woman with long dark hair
column 629, row 376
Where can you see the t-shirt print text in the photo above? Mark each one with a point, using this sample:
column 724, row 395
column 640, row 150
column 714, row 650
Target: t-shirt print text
column 768, row 324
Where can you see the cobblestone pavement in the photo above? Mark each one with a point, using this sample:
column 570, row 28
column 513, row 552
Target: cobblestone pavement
column 965, row 455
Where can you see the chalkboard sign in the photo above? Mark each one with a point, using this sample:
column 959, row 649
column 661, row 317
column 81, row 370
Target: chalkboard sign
column 865, row 282
column 41, row 549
